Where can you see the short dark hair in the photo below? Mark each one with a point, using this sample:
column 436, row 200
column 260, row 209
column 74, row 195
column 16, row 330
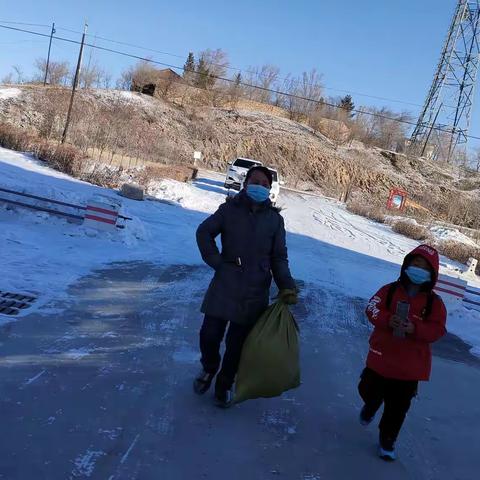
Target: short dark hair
column 262, row 169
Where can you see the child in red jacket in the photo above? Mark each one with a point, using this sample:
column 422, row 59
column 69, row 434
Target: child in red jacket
column 408, row 316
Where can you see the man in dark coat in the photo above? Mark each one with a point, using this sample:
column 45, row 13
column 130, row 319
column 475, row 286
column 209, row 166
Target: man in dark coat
column 253, row 249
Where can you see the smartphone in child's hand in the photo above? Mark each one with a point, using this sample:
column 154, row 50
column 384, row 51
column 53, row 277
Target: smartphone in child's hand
column 402, row 311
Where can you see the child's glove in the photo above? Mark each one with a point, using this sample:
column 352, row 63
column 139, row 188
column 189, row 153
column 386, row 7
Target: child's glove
column 288, row 296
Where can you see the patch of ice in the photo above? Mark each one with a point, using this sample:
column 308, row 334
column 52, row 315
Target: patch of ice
column 185, row 355
column 111, row 434
column 36, row 377
column 85, row 464
column 77, row 353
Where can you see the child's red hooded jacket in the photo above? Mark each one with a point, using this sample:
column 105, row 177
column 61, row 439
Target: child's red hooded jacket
column 408, row 358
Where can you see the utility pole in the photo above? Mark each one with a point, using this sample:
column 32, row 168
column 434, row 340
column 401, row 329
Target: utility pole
column 75, row 83
column 48, row 56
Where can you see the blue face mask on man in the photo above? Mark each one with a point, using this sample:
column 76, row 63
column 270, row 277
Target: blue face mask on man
column 258, row 193
column 418, row 275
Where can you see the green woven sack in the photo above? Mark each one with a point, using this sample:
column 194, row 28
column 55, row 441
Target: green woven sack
column 270, row 362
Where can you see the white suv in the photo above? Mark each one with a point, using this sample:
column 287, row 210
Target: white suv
column 237, row 170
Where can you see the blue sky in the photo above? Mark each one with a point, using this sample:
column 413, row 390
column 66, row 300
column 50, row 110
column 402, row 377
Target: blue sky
column 381, row 48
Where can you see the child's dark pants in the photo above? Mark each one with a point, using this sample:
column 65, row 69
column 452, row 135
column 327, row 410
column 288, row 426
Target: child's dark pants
column 395, row 394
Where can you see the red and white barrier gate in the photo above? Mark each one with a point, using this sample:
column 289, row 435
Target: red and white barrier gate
column 451, row 289
column 472, row 298
column 101, row 215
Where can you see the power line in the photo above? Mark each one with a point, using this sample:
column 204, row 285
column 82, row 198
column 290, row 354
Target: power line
column 25, row 24
column 257, row 87
column 236, row 69
column 126, row 44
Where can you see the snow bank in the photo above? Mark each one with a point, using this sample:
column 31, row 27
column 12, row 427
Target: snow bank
column 465, row 324
column 185, row 195
column 113, row 96
column 451, row 234
column 439, row 232
column 6, row 93
column 44, row 254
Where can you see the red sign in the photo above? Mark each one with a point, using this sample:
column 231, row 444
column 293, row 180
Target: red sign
column 397, row 199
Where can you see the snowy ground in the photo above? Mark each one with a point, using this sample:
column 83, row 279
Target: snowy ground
column 328, row 245
column 106, row 356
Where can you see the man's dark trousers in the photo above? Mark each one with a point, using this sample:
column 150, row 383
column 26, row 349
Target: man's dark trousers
column 211, row 336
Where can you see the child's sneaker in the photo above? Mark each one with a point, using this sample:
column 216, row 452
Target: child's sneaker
column 386, row 450
column 365, row 419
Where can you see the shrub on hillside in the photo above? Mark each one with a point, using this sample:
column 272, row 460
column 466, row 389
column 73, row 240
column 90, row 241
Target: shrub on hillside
column 65, row 158
column 458, row 251
column 374, row 213
column 411, row 229
column 16, row 138
column 151, row 172
column 101, row 174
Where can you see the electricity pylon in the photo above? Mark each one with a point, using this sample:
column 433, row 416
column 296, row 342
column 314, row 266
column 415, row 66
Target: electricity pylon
column 442, row 128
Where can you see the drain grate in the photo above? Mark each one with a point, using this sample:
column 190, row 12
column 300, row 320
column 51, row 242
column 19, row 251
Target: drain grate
column 13, row 303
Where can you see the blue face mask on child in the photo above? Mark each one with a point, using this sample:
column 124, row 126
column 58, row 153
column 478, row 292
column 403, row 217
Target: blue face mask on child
column 258, row 193
column 418, row 275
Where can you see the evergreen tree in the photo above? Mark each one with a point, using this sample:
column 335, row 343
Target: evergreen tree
column 347, row 104
column 202, row 74
column 189, row 64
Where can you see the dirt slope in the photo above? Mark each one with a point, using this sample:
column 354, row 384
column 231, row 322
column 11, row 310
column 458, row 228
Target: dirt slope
column 154, row 129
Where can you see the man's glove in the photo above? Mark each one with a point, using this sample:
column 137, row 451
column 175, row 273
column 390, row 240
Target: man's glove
column 288, row 296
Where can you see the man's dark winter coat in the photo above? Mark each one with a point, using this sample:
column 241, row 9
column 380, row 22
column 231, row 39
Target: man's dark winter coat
column 253, row 249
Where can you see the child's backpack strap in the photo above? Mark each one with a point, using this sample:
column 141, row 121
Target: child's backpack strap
column 392, row 288
column 427, row 311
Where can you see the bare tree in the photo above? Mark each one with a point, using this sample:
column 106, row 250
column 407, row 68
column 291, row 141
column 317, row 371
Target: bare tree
column 125, row 80
column 20, row 77
column 235, row 91
column 310, row 86
column 58, row 72
column 308, row 92
column 7, row 79
column 304, row 94
column 51, row 105
column 137, row 76
column 216, row 63
column 475, row 162
column 106, row 80
column 166, row 83
column 383, row 127
column 262, row 80
column 92, row 76
column 290, row 87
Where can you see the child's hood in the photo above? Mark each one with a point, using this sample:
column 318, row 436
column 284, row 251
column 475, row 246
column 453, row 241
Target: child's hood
column 430, row 254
